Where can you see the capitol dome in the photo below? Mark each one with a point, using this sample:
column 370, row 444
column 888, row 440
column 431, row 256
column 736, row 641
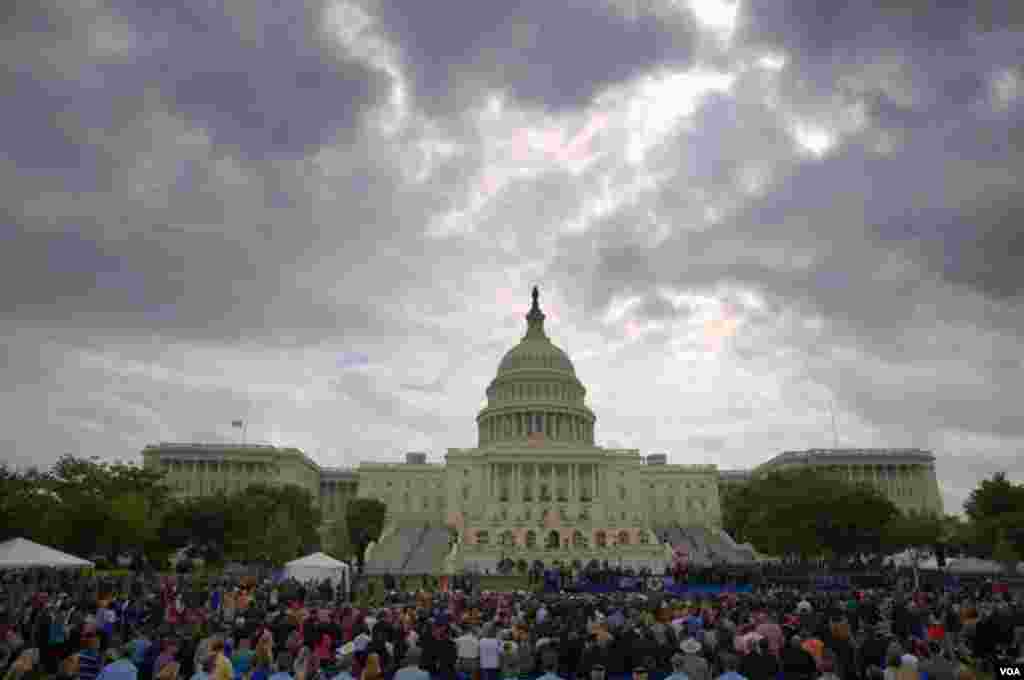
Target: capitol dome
column 536, row 392
column 536, row 351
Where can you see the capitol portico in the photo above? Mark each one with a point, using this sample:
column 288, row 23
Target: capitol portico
column 536, row 486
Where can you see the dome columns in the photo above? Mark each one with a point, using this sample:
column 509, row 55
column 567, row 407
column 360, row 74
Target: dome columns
column 536, row 390
column 557, row 425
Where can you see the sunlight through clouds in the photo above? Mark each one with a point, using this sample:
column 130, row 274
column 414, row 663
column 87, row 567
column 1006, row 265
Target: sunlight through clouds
column 662, row 103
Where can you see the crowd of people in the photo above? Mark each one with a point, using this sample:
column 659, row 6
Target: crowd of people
column 283, row 631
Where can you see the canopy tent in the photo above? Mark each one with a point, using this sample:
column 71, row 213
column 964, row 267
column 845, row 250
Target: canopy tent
column 973, row 565
column 318, row 567
column 906, row 559
column 21, row 553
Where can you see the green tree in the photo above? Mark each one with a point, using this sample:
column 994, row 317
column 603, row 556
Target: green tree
column 202, row 522
column 365, row 518
column 805, row 513
column 995, row 510
column 106, row 507
column 250, row 511
column 337, row 540
column 29, row 508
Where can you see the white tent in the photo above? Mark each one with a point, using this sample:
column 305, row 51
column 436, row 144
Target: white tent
column 906, row 559
column 973, row 565
column 318, row 567
column 21, row 553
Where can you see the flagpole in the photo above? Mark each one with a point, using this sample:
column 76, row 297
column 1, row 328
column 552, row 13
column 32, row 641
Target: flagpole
column 244, row 426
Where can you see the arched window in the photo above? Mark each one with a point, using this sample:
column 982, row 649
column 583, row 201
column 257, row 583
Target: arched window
column 579, row 540
column 482, row 538
column 623, row 537
column 602, row 539
column 531, row 539
column 508, row 538
column 644, row 538
column 554, row 541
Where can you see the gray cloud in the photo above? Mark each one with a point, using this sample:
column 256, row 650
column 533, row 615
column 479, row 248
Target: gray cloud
column 456, row 52
column 203, row 220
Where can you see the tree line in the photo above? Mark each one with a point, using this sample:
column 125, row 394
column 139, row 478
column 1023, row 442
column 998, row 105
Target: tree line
column 802, row 514
column 90, row 508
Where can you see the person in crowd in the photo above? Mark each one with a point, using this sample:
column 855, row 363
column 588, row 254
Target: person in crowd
column 411, row 669
column 373, row 669
column 222, row 668
column 26, row 667
column 284, row 663
column 90, row 662
column 490, row 653
column 169, row 652
column 797, row 662
column 827, row 667
column 678, row 662
column 730, row 666
column 937, row 665
column 241, row 660
column 695, row 666
column 467, row 646
column 122, row 667
column 760, row 663
column 343, row 667
column 169, row 671
column 907, row 669
column 549, row 665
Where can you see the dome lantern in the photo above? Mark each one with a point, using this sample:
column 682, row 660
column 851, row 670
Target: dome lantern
column 536, row 390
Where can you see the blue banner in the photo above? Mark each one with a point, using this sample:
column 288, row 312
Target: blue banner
column 835, row 582
column 659, row 584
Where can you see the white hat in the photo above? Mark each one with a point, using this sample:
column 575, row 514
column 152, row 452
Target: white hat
column 908, row 660
column 690, row 646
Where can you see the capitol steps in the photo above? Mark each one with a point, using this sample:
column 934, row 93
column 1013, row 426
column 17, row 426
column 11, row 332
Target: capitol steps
column 429, row 556
column 394, row 550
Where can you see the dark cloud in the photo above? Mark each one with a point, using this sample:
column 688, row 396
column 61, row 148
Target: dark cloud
column 259, row 77
column 456, row 51
column 814, row 31
column 196, row 226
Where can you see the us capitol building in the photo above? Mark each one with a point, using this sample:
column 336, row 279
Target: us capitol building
column 536, row 486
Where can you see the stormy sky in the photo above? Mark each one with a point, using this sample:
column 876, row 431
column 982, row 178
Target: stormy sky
column 325, row 218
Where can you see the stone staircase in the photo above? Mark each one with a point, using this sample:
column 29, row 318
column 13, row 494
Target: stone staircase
column 393, row 550
column 430, row 554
